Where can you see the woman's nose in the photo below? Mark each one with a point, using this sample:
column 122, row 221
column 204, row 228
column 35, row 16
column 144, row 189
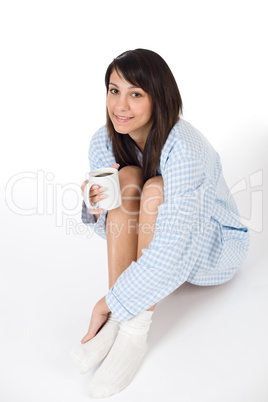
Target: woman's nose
column 122, row 103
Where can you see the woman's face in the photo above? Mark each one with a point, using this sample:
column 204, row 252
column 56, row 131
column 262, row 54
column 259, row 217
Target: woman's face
column 130, row 108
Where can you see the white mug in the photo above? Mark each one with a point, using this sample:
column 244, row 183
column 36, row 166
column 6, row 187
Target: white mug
column 109, row 180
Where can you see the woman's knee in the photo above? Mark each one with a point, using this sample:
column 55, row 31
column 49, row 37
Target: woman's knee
column 130, row 178
column 152, row 193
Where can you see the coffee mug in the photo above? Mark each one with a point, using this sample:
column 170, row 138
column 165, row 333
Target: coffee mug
column 109, row 180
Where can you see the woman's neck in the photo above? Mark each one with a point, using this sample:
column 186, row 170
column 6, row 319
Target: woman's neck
column 140, row 136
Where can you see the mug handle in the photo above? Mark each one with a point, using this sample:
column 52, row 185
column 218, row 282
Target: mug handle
column 94, row 205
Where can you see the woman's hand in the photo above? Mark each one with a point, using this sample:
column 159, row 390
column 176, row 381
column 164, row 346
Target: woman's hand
column 95, row 193
column 99, row 317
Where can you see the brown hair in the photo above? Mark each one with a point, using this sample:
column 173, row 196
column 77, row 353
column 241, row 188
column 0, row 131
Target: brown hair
column 149, row 71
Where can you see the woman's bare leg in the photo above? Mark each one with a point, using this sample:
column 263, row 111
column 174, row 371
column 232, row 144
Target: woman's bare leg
column 130, row 346
column 128, row 232
column 122, row 224
column 138, row 210
column 152, row 196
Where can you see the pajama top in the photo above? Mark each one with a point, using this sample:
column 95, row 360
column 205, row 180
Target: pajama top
column 198, row 237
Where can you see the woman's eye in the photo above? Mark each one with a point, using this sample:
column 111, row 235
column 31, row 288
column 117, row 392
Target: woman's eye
column 114, row 91
column 136, row 94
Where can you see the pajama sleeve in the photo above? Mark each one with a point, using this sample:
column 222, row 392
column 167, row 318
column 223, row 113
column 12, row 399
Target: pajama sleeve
column 100, row 155
column 188, row 204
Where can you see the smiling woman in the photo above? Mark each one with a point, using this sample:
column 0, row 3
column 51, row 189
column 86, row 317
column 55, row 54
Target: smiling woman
column 130, row 109
column 147, row 88
column 175, row 209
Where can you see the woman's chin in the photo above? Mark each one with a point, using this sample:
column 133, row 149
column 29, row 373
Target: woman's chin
column 120, row 130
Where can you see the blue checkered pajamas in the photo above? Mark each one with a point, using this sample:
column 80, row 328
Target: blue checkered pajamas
column 199, row 237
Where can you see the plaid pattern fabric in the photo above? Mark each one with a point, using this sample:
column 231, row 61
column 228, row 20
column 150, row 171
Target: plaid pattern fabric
column 198, row 238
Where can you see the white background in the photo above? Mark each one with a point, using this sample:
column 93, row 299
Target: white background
column 206, row 344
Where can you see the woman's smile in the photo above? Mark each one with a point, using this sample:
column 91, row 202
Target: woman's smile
column 123, row 119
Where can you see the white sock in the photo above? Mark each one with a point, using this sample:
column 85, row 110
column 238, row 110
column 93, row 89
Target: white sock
column 91, row 353
column 124, row 358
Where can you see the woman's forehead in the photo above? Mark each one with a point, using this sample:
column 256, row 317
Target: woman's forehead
column 116, row 78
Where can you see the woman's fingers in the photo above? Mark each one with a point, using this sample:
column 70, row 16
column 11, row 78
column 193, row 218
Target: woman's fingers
column 96, row 194
column 86, row 338
column 95, row 198
column 96, row 322
column 116, row 166
column 95, row 190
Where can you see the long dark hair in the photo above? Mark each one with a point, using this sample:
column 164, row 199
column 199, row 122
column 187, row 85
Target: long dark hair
column 149, row 71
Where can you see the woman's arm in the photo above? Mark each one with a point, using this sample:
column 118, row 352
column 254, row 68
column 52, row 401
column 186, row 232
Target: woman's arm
column 100, row 155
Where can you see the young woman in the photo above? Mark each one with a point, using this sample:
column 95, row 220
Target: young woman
column 177, row 223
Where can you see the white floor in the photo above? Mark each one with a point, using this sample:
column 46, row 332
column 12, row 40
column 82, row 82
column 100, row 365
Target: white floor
column 205, row 343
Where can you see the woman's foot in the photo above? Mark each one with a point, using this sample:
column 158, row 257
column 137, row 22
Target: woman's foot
column 91, row 353
column 124, row 358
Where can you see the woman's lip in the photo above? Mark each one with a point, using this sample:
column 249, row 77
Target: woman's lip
column 122, row 119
